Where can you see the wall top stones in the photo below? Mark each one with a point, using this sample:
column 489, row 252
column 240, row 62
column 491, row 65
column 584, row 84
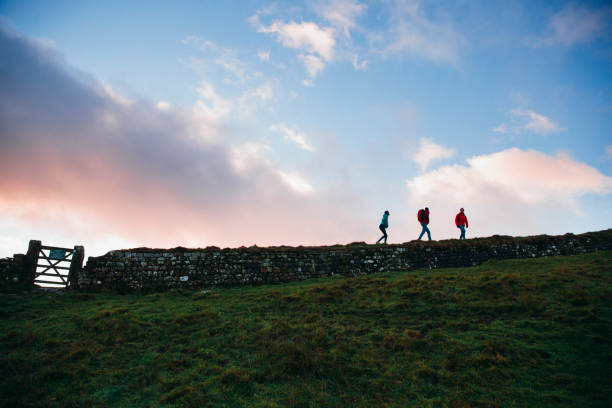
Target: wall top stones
column 604, row 235
column 158, row 269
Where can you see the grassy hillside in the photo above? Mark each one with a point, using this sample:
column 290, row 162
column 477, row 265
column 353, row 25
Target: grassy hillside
column 519, row 333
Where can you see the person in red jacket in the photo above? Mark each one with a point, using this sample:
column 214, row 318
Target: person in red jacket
column 461, row 222
column 423, row 217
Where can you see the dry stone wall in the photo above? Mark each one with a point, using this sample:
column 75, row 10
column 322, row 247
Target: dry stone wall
column 158, row 269
column 11, row 269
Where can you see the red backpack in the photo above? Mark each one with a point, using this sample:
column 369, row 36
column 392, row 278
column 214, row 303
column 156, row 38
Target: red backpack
column 421, row 215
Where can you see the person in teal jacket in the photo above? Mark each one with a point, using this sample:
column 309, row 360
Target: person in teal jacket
column 384, row 224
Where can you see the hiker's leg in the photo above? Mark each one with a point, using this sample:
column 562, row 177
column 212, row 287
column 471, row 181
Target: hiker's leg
column 463, row 231
column 424, row 228
column 428, row 233
column 383, row 231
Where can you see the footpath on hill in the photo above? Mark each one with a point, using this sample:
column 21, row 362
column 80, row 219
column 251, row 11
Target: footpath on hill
column 511, row 333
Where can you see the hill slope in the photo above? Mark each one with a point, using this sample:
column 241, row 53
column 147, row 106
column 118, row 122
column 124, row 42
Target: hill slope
column 509, row 333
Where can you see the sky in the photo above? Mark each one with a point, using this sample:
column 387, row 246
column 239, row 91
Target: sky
column 237, row 123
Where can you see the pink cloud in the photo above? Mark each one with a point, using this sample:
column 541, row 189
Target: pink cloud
column 512, row 191
column 78, row 159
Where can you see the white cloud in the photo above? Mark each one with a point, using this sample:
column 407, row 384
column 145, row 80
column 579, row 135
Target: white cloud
column 247, row 157
column 411, row 31
column 341, row 14
column 225, row 58
column 313, row 64
column 201, row 44
column 296, row 182
column 307, row 36
column 319, row 43
column 358, row 65
column 193, row 40
column 575, row 24
column 235, row 66
column 609, row 152
column 316, row 41
column 263, row 55
column 293, row 136
column 163, row 106
column 429, row 151
column 522, row 120
column 265, row 11
column 501, row 129
column 211, row 106
column 539, row 123
column 116, row 96
column 263, row 93
column 515, row 191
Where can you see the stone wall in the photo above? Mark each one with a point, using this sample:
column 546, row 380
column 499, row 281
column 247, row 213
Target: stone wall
column 158, row 269
column 11, row 269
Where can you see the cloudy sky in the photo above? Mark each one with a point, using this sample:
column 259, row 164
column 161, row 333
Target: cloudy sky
column 195, row 123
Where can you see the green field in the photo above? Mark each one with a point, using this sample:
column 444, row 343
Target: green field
column 519, row 333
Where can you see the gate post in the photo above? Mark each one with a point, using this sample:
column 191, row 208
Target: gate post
column 76, row 264
column 29, row 265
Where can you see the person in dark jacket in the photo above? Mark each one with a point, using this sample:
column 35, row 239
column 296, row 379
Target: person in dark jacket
column 423, row 217
column 384, row 224
column 461, row 222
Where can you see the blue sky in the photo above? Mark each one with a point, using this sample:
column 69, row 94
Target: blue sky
column 301, row 122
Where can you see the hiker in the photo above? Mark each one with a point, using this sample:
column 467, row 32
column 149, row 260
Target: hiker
column 423, row 217
column 461, row 222
column 384, row 224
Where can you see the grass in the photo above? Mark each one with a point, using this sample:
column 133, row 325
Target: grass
column 518, row 333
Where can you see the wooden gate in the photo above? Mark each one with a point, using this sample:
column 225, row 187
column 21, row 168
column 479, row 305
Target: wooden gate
column 52, row 266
